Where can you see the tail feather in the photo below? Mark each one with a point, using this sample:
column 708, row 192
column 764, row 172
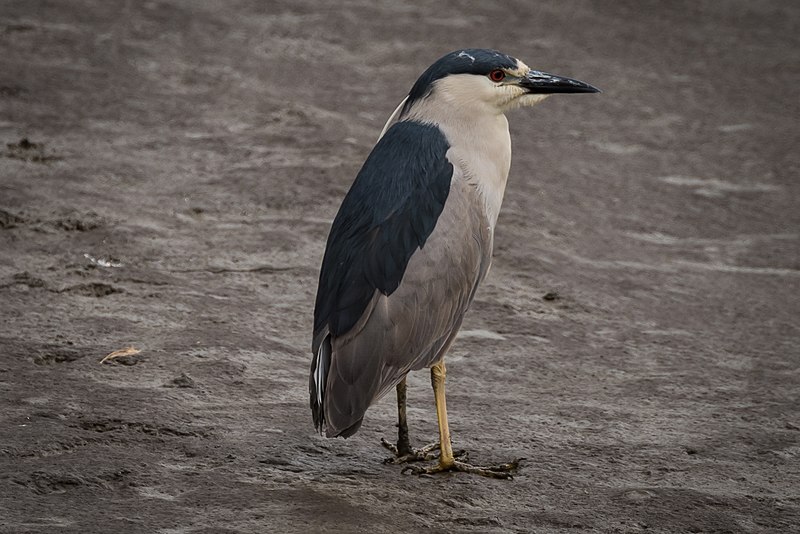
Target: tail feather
column 317, row 382
column 336, row 413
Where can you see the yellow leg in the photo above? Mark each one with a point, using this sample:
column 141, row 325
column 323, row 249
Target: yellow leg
column 438, row 373
column 447, row 461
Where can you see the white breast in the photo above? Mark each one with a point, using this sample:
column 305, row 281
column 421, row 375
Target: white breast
column 483, row 154
column 480, row 146
column 469, row 111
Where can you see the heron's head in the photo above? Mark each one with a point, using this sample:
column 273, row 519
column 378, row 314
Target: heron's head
column 487, row 81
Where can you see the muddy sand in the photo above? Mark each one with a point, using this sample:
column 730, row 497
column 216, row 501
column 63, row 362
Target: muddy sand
column 168, row 176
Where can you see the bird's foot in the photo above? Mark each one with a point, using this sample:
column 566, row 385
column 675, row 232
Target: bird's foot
column 504, row 471
column 410, row 454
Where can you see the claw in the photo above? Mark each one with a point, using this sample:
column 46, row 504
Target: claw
column 423, row 454
column 502, row 471
column 389, row 445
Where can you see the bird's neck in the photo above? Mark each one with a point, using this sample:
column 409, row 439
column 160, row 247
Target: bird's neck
column 480, row 146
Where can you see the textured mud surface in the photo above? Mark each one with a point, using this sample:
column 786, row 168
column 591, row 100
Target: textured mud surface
column 168, row 172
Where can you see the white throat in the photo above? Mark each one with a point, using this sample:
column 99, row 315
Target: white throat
column 477, row 131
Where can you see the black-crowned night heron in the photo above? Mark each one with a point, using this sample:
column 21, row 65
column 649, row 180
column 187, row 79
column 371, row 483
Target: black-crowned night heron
column 413, row 240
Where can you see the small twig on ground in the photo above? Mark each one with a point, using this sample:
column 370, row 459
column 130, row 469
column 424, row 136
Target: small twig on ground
column 127, row 351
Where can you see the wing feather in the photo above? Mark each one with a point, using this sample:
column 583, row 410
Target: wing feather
column 400, row 269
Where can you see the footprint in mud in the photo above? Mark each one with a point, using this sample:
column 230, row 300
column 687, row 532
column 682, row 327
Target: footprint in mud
column 76, row 224
column 65, row 220
column 26, row 150
column 9, row 220
column 44, row 483
column 74, row 221
column 113, row 425
column 182, row 381
column 12, row 91
column 57, row 354
column 92, row 289
column 24, row 279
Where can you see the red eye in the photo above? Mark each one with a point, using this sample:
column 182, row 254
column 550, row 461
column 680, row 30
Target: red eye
column 497, row 76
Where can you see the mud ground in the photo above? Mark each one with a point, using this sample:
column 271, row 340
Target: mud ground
column 169, row 172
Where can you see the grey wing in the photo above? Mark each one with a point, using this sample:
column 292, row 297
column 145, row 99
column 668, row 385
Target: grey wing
column 411, row 328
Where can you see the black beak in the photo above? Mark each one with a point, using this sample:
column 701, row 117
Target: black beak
column 542, row 83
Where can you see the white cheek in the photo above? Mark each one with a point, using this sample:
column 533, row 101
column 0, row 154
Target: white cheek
column 530, row 100
column 517, row 97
